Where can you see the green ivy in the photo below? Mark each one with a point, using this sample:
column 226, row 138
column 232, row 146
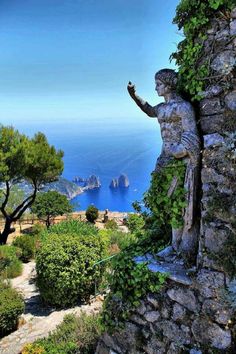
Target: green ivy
column 167, row 209
column 130, row 282
column 193, row 17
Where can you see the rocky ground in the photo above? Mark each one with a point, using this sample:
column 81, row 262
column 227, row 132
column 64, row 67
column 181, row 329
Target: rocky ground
column 37, row 320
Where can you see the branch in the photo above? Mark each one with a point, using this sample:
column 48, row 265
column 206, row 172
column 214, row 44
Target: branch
column 23, row 206
column 20, row 212
column 7, row 193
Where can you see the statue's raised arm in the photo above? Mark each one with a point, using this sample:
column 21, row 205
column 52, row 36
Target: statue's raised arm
column 145, row 106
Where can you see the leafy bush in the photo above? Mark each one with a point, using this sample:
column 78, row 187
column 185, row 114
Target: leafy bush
column 65, row 264
column 27, row 244
column 11, row 307
column 72, row 227
column 111, row 225
column 36, row 229
column 10, row 265
column 91, row 213
column 73, row 335
column 135, row 223
column 119, row 238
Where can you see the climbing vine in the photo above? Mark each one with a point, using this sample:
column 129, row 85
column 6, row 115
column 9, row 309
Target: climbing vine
column 193, row 17
column 130, row 281
column 166, row 200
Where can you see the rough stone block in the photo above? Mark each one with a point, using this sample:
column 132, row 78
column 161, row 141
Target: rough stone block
column 174, row 333
column 224, row 62
column 217, row 311
column 233, row 28
column 184, row 297
column 230, row 100
column 153, row 301
column 137, row 319
column 212, row 124
column 179, row 312
column 214, row 239
column 154, row 346
column 210, row 282
column 152, row 316
column 209, row 106
column 233, row 13
column 209, row 175
column 211, row 334
column 213, row 140
column 174, row 349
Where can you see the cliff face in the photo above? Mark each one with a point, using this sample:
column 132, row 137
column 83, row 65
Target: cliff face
column 65, row 187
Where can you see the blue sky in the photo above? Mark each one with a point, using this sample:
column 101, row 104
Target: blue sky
column 70, row 60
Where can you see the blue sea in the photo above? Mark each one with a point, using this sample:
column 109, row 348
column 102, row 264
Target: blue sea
column 107, row 150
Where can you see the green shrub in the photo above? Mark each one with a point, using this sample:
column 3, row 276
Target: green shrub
column 65, row 265
column 11, row 307
column 119, row 238
column 135, row 223
column 72, row 227
column 36, row 229
column 27, row 244
column 73, row 335
column 111, row 225
column 10, row 265
column 91, row 213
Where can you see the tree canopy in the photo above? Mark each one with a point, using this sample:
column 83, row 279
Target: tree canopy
column 31, row 160
column 50, row 204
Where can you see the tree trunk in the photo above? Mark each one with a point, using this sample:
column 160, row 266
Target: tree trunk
column 6, row 232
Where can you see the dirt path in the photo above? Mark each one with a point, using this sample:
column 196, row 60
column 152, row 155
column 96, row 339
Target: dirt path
column 38, row 320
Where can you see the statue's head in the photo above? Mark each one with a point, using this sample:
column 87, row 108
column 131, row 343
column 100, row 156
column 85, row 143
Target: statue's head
column 166, row 81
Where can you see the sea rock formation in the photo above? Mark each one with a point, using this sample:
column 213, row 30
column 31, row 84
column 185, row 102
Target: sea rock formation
column 121, row 182
column 91, row 182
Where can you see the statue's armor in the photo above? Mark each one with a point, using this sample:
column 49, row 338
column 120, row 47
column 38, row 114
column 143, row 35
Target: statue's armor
column 171, row 131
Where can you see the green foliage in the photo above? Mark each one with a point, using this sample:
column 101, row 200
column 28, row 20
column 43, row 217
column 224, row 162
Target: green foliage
column 194, row 18
column 135, row 224
column 36, row 229
column 111, row 225
column 50, row 204
column 91, row 213
column 10, row 265
column 71, row 227
column 117, row 238
column 167, row 209
column 137, row 207
column 74, row 335
column 24, row 159
column 28, row 245
column 11, row 307
column 130, row 282
column 65, row 264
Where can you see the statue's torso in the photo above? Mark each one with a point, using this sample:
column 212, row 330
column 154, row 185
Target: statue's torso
column 170, row 123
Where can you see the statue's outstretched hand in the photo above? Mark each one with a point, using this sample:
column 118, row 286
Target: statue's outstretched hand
column 131, row 89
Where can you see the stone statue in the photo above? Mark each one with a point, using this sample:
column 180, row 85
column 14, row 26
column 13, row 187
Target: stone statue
column 181, row 141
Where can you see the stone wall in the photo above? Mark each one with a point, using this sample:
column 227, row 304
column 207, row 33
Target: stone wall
column 218, row 125
column 179, row 319
column 199, row 317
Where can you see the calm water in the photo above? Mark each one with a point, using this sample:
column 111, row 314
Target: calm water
column 106, row 151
